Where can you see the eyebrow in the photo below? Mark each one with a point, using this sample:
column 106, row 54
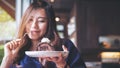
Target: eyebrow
column 42, row 17
column 39, row 17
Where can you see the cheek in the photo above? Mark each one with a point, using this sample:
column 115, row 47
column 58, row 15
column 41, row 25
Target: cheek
column 27, row 28
column 43, row 28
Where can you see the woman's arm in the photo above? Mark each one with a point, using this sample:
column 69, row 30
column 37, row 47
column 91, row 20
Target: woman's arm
column 74, row 59
column 6, row 62
column 10, row 52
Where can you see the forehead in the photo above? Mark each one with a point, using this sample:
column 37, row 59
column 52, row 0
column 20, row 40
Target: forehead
column 38, row 13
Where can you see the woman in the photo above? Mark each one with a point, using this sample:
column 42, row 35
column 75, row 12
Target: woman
column 37, row 22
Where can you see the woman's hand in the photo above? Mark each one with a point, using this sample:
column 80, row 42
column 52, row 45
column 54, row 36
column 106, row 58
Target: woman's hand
column 59, row 60
column 10, row 52
column 10, row 49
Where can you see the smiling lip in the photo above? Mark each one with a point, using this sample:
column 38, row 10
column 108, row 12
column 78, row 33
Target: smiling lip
column 35, row 31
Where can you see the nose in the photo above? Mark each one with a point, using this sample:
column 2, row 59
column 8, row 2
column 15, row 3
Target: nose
column 34, row 24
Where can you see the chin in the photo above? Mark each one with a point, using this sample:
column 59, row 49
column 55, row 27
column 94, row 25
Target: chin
column 34, row 37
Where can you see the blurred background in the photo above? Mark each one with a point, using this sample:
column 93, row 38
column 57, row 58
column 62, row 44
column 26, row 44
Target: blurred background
column 92, row 25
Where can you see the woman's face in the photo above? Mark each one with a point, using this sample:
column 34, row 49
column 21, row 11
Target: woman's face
column 37, row 24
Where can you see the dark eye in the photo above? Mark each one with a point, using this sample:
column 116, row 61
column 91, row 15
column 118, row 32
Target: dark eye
column 30, row 20
column 41, row 20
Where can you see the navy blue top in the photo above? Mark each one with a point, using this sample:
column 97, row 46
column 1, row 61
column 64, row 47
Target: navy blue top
column 74, row 59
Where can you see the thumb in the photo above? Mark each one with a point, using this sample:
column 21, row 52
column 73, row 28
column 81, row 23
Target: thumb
column 64, row 48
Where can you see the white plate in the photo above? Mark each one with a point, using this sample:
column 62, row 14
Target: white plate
column 46, row 53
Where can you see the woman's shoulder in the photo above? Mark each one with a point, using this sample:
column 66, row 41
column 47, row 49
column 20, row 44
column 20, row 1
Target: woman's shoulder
column 67, row 42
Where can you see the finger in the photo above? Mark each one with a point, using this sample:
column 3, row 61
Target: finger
column 7, row 46
column 10, row 45
column 64, row 48
column 16, row 43
column 40, row 59
column 52, row 59
column 59, row 58
column 48, row 58
column 56, row 59
column 13, row 44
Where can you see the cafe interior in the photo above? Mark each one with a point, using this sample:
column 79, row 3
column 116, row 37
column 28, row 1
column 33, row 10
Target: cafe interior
column 92, row 25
